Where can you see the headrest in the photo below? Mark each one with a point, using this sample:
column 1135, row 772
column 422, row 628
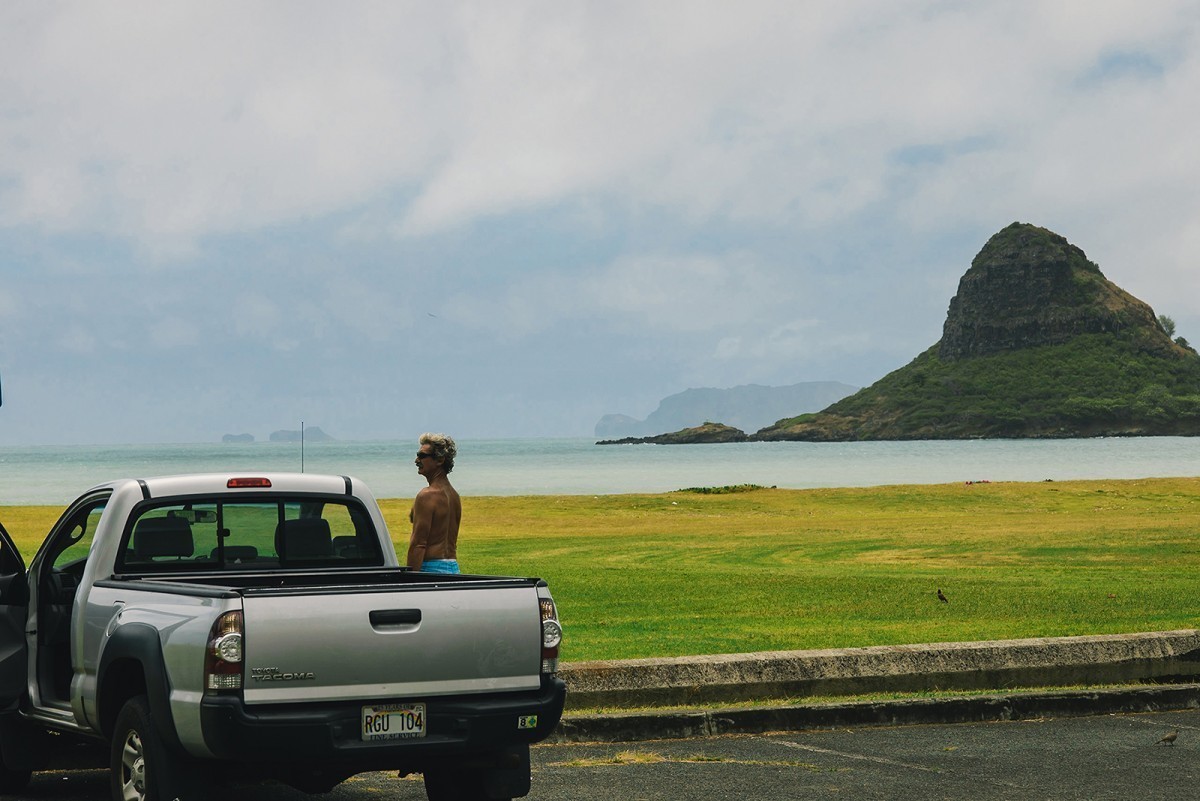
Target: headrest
column 346, row 546
column 162, row 536
column 306, row 538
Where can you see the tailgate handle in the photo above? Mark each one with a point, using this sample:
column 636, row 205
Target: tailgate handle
column 395, row 617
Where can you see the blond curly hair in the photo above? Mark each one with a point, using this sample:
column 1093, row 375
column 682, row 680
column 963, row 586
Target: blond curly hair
column 443, row 449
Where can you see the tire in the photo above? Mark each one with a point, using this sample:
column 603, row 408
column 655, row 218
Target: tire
column 143, row 767
column 13, row 781
column 447, row 784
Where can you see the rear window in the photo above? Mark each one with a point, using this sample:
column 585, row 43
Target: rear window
column 250, row 534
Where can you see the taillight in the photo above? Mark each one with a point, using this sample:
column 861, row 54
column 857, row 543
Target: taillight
column 551, row 636
column 223, row 657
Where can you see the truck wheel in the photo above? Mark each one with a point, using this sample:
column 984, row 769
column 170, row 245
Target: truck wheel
column 12, row 781
column 14, row 732
column 455, row 785
column 143, row 767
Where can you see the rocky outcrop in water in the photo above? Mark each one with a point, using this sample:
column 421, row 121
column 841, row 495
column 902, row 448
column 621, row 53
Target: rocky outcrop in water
column 706, row 433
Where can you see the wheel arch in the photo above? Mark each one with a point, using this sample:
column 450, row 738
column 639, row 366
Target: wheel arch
column 132, row 664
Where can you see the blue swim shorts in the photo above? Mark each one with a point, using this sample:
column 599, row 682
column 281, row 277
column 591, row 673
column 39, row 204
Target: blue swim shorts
column 440, row 566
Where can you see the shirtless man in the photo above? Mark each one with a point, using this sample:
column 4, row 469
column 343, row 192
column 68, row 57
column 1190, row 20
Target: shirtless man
column 437, row 510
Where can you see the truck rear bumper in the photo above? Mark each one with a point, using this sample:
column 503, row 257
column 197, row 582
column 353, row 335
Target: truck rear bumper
column 331, row 734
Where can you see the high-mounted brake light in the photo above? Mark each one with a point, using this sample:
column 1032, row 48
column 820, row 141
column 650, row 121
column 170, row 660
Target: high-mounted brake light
column 552, row 634
column 223, row 657
column 243, row 483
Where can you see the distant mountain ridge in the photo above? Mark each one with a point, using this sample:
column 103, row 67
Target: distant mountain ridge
column 1036, row 343
column 748, row 407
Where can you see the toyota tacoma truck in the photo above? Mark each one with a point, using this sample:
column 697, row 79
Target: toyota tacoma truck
column 192, row 630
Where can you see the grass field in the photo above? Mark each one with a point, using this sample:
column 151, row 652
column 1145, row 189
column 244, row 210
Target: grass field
column 686, row 573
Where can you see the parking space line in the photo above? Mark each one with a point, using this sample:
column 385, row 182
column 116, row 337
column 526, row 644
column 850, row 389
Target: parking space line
column 885, row 761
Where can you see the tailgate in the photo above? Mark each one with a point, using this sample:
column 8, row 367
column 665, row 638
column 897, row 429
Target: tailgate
column 435, row 640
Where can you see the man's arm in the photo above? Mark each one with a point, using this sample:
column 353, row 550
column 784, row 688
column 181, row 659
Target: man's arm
column 422, row 520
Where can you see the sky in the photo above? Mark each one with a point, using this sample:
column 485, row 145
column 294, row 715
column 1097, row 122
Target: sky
column 507, row 219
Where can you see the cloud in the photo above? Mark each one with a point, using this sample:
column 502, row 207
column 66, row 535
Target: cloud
column 257, row 317
column 652, row 195
column 673, row 293
column 681, row 293
column 79, row 340
column 205, row 118
column 201, row 122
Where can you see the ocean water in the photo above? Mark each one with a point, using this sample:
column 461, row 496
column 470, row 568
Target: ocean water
column 55, row 475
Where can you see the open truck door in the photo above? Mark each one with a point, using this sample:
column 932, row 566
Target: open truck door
column 14, row 606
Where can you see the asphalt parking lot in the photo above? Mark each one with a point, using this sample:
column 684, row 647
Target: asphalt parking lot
column 1101, row 757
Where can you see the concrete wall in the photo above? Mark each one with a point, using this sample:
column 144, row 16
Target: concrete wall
column 1163, row 657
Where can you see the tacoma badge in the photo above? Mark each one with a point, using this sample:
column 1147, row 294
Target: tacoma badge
column 275, row 674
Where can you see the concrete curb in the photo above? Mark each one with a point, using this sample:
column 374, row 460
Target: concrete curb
column 1163, row 657
column 665, row 725
column 1168, row 662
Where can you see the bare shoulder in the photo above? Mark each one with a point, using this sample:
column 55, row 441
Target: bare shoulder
column 431, row 495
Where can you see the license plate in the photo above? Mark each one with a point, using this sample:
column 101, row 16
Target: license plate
column 393, row 722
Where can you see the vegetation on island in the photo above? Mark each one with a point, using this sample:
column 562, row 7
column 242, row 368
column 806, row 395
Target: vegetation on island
column 1094, row 385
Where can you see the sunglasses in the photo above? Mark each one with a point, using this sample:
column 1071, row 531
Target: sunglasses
column 423, row 455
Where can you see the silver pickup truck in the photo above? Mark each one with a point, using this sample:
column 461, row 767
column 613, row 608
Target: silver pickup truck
column 193, row 630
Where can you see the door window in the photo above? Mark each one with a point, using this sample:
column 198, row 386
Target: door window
column 74, row 540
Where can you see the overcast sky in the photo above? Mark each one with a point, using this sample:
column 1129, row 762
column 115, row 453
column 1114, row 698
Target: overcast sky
column 505, row 219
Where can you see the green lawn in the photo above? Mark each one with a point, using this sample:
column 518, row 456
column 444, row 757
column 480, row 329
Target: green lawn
column 687, row 573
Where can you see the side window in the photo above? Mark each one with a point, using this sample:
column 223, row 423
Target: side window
column 11, row 562
column 14, row 591
column 75, row 535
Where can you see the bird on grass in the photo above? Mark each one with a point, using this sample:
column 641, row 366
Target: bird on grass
column 942, row 597
column 1169, row 738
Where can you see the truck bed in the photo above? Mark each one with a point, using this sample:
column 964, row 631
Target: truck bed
column 381, row 633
